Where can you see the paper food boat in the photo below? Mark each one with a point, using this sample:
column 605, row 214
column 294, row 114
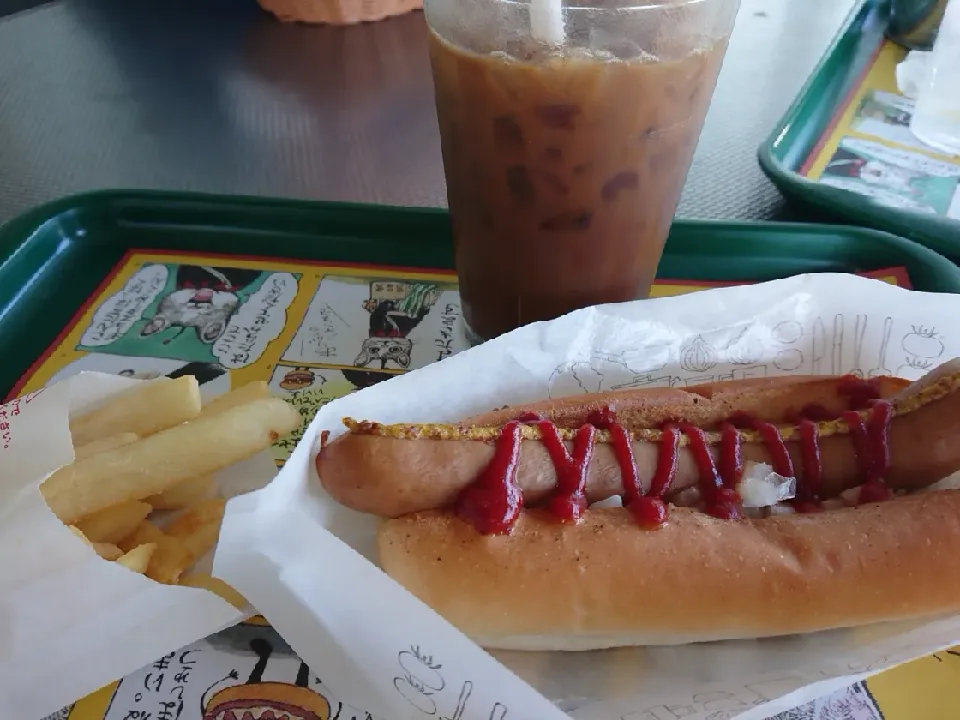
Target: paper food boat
column 308, row 564
column 72, row 622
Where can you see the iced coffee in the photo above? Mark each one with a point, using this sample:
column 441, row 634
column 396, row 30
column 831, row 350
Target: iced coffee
column 564, row 165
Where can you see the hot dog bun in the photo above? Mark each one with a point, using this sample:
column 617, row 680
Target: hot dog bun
column 775, row 399
column 604, row 582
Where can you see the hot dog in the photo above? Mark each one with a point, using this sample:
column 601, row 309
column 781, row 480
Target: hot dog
column 394, row 470
column 493, row 523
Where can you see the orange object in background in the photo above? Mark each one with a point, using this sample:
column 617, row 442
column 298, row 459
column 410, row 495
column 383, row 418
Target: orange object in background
column 338, row 12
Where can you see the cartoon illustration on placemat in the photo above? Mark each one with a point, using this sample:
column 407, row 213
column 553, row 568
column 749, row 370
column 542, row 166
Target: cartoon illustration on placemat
column 850, row 703
column 868, row 147
column 309, row 324
column 310, row 388
column 193, row 312
column 256, row 697
column 898, row 178
column 378, row 324
column 244, row 672
column 886, row 116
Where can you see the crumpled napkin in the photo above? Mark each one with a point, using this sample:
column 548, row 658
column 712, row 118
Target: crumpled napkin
column 913, row 73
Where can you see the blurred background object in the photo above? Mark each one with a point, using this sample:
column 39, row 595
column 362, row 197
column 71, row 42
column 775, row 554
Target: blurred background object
column 914, row 23
column 936, row 120
column 338, row 12
column 219, row 96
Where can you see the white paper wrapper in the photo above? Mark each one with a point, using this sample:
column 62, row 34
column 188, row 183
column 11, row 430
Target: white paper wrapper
column 71, row 622
column 913, row 73
column 300, row 557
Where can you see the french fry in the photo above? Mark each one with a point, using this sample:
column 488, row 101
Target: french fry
column 198, row 528
column 256, row 390
column 158, row 462
column 183, row 493
column 113, row 524
column 104, row 444
column 145, row 532
column 216, row 586
column 169, row 559
column 108, row 551
column 196, row 516
column 138, row 559
column 144, row 410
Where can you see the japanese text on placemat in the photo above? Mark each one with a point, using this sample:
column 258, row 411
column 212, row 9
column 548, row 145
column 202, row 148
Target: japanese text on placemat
column 448, row 321
column 161, row 697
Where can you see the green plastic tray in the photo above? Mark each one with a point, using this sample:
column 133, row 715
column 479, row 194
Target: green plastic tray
column 55, row 256
column 795, row 136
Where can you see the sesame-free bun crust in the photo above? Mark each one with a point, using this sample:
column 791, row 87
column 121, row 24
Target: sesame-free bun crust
column 774, row 399
column 605, row 582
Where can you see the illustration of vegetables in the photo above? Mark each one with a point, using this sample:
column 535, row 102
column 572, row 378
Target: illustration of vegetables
column 697, row 355
column 747, row 351
column 924, row 344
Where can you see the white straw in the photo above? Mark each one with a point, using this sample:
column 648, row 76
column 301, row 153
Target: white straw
column 546, row 21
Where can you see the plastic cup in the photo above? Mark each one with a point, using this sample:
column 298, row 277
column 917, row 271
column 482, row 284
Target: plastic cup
column 565, row 160
column 936, row 117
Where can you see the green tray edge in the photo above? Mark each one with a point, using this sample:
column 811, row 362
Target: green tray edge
column 837, row 72
column 33, row 314
column 16, row 233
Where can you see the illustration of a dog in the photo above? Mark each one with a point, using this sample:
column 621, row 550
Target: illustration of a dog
column 204, row 300
column 385, row 350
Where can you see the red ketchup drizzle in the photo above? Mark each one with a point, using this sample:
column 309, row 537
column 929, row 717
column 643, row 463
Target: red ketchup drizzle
column 878, row 453
column 493, row 501
column 817, row 413
column 721, row 502
column 529, row 417
column 860, row 395
column 861, row 444
column 779, row 457
column 569, row 500
column 648, row 510
column 731, row 461
column 667, row 456
column 808, row 492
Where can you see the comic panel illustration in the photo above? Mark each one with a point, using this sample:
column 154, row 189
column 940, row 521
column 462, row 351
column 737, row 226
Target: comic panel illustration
column 193, row 313
column 897, row 178
column 244, row 672
column 308, row 389
column 214, row 379
column 850, row 703
column 887, row 116
column 379, row 324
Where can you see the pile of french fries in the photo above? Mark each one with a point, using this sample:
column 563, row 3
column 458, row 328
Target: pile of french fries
column 141, row 490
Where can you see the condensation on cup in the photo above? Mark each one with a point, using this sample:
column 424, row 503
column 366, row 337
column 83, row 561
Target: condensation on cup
column 567, row 129
column 936, row 117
